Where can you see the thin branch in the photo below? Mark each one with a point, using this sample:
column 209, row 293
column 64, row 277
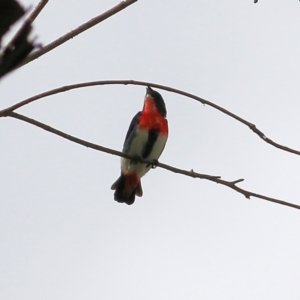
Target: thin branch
column 66, row 88
column 122, row 5
column 216, row 179
column 37, row 10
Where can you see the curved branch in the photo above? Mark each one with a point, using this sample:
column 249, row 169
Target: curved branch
column 6, row 111
column 216, row 179
column 122, row 5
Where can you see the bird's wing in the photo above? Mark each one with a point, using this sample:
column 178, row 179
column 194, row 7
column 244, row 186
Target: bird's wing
column 131, row 132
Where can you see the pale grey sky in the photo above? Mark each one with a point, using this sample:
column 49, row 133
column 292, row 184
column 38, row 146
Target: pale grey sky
column 62, row 234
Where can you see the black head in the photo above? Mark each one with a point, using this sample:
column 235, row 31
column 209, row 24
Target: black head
column 159, row 101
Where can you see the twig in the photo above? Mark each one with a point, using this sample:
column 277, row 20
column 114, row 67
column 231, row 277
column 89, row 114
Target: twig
column 217, row 179
column 36, row 54
column 144, row 83
column 37, row 10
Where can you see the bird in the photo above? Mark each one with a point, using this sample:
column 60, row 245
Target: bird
column 146, row 138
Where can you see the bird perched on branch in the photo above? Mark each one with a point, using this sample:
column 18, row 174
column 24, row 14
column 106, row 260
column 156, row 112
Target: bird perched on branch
column 146, row 139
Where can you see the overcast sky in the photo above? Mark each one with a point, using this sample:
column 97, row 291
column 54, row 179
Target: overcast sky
column 62, row 236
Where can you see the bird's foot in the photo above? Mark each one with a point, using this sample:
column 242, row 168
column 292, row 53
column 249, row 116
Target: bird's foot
column 154, row 164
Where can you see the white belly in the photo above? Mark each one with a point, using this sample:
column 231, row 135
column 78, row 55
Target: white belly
column 136, row 148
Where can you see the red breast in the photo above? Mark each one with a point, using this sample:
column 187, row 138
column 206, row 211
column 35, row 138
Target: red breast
column 150, row 117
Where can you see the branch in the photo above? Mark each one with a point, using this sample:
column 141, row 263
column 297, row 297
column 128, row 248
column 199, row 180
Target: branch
column 6, row 111
column 122, row 5
column 37, row 10
column 216, row 179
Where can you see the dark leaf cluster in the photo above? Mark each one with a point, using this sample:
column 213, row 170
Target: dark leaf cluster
column 20, row 46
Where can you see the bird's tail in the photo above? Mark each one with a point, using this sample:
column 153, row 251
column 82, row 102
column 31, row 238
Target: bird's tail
column 126, row 187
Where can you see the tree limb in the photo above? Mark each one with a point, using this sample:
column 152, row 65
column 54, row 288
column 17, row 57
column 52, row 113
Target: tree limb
column 216, row 179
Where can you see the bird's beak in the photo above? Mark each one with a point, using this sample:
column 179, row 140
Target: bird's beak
column 148, row 89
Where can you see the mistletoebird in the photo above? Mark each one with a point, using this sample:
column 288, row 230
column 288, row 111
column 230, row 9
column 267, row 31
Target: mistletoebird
column 145, row 138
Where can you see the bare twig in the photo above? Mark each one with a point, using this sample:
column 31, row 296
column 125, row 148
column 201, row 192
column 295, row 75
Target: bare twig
column 37, row 10
column 144, row 83
column 216, row 179
column 36, row 54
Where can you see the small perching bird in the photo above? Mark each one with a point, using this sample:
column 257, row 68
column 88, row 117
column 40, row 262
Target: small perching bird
column 145, row 138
